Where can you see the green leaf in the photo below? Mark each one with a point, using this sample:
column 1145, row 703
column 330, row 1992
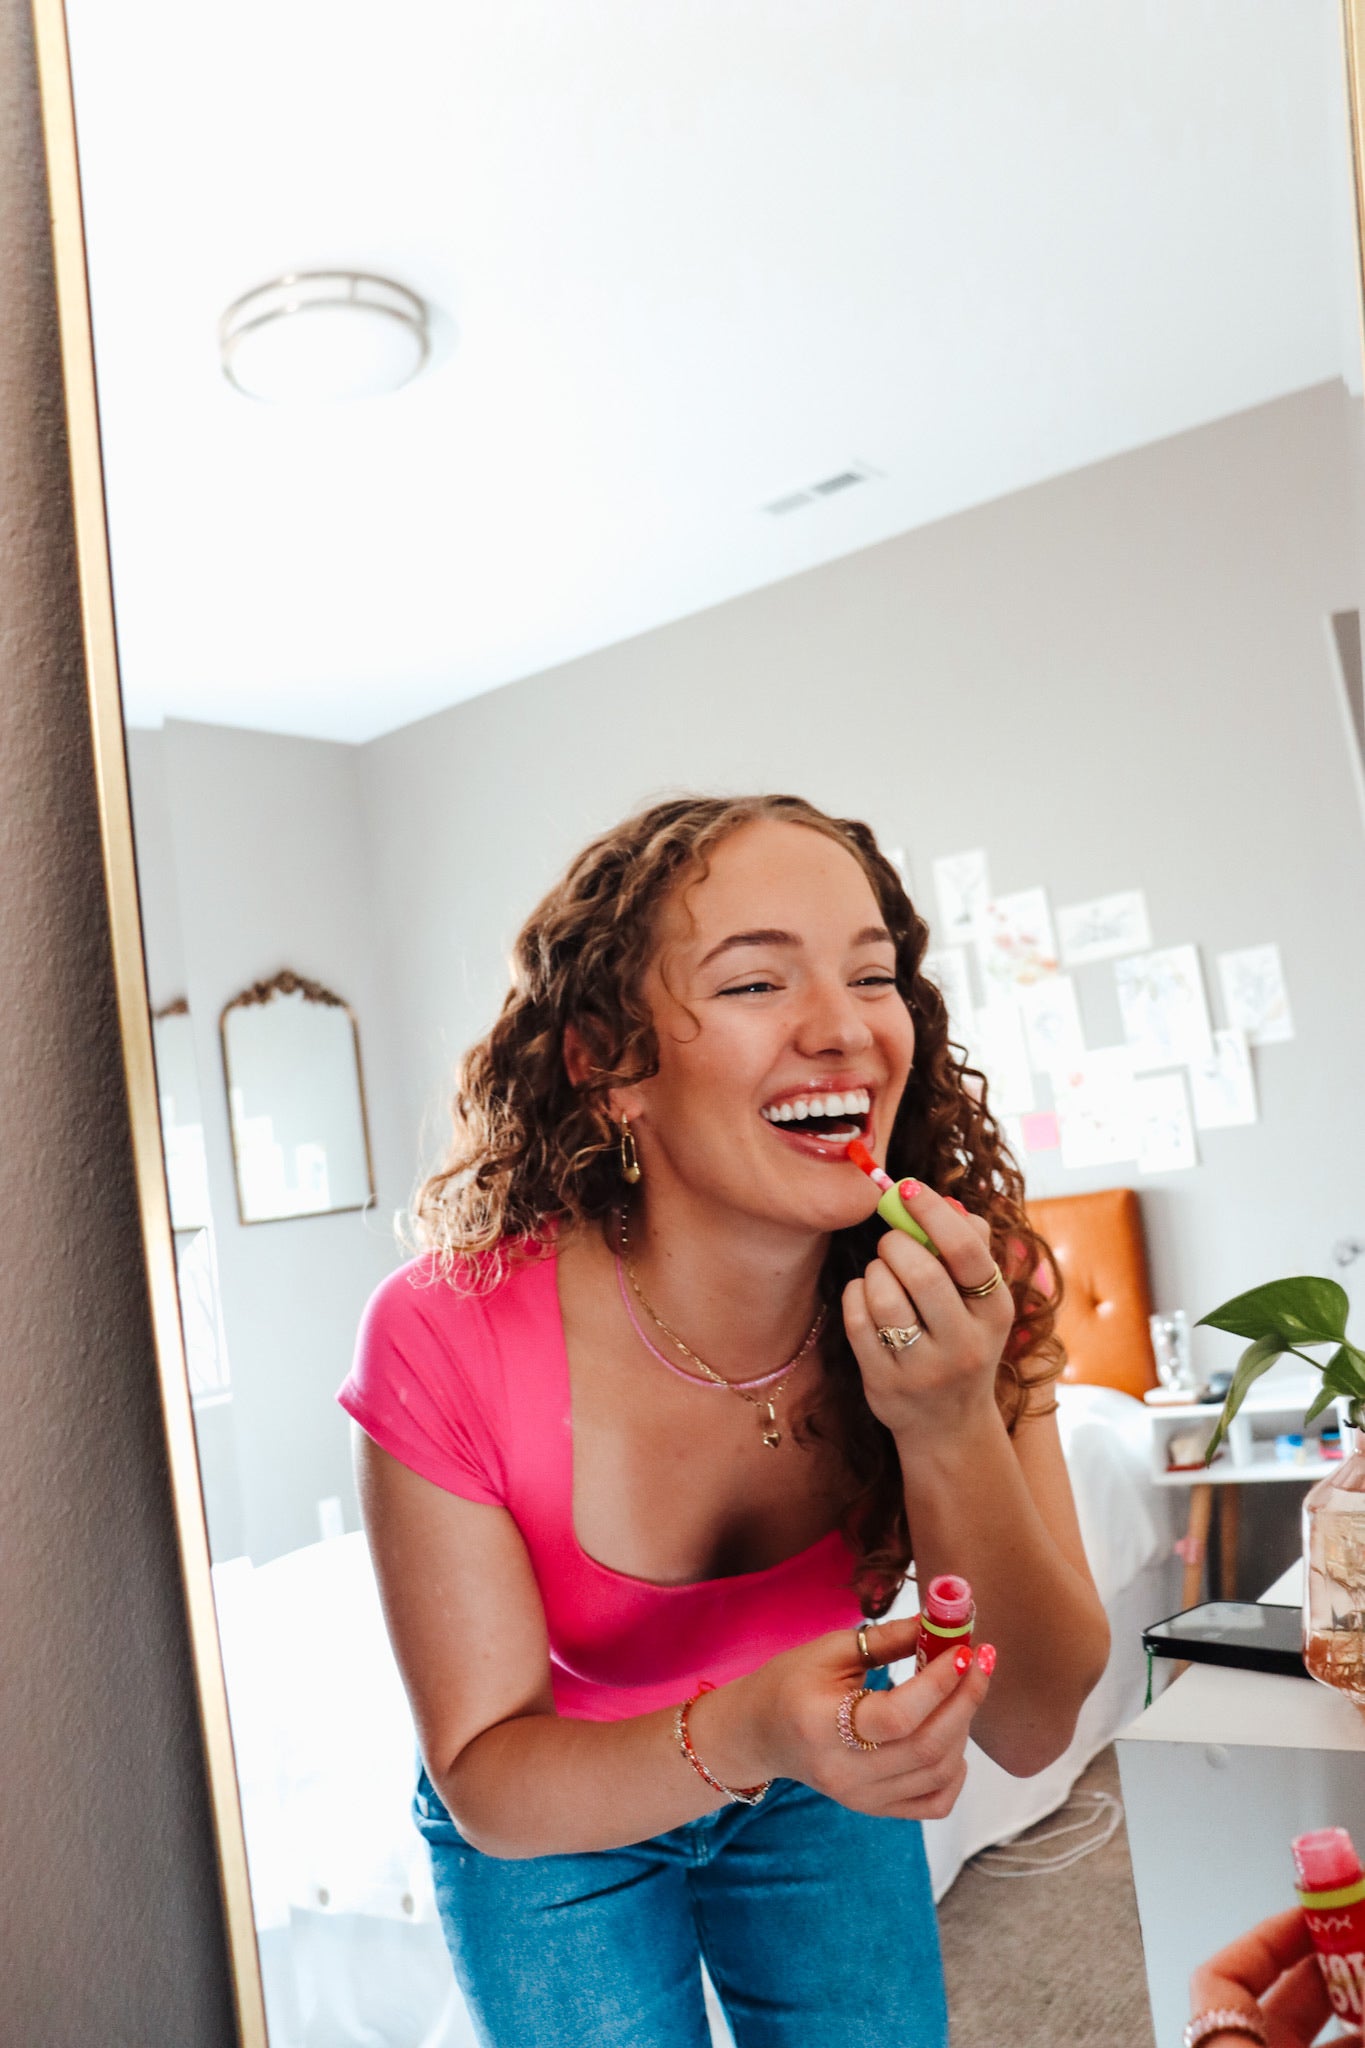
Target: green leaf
column 1255, row 1360
column 1324, row 1398
column 1305, row 1310
column 1342, row 1372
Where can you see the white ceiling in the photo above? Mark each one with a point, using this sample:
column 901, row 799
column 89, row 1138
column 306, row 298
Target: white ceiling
column 697, row 253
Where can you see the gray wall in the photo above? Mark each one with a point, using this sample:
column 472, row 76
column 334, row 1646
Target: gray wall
column 268, row 871
column 1121, row 678
column 108, row 1891
column 156, row 869
column 215, row 1425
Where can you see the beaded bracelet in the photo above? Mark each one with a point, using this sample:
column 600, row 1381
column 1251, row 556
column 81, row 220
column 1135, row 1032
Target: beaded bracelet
column 742, row 1795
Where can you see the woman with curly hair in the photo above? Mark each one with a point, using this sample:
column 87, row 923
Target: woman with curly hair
column 660, row 1420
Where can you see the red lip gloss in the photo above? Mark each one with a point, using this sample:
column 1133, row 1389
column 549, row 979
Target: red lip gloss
column 1332, row 1894
column 946, row 1618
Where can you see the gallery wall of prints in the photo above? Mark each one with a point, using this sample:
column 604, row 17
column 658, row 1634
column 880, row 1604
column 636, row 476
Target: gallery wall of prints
column 1019, row 975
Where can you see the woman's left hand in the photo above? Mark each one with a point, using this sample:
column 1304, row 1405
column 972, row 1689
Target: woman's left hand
column 945, row 1379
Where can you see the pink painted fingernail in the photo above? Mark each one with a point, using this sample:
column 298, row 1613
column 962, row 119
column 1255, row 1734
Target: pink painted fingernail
column 962, row 1658
column 985, row 1658
column 909, row 1189
column 953, row 1203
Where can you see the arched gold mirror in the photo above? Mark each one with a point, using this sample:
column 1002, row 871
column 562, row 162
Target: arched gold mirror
column 296, row 1101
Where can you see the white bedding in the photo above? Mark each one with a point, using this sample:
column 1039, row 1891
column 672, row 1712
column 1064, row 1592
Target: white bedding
column 350, row 1943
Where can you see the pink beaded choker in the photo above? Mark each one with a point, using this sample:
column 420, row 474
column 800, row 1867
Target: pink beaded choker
column 704, row 1374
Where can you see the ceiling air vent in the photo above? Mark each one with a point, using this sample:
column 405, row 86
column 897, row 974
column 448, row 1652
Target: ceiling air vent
column 844, row 481
column 793, row 502
column 825, row 487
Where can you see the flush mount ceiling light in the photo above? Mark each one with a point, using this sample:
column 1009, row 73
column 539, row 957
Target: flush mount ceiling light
column 324, row 337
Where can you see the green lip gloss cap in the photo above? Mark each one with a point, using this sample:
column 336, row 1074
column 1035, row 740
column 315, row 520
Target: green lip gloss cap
column 892, row 1210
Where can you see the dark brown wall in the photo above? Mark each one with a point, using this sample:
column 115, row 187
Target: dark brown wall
column 110, row 1930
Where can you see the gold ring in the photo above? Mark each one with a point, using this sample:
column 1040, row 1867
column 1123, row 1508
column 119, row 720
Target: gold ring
column 865, row 1648
column 900, row 1339
column 987, row 1287
column 848, row 1707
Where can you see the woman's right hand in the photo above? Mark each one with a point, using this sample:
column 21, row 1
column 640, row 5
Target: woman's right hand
column 1271, row 1974
column 790, row 1708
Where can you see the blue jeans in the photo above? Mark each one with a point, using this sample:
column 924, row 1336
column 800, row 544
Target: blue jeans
column 817, row 1925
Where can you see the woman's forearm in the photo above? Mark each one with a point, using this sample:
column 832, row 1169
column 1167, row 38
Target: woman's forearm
column 971, row 1512
column 538, row 1785
column 534, row 1785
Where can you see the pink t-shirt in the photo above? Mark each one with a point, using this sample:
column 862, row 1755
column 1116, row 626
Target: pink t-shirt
column 471, row 1390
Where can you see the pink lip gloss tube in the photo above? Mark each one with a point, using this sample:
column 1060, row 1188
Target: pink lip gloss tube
column 946, row 1618
column 1332, row 1894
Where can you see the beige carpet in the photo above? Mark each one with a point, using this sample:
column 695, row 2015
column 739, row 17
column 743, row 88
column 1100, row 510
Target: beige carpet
column 1050, row 1961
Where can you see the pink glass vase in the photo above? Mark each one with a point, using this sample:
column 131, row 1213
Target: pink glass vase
column 1334, row 1575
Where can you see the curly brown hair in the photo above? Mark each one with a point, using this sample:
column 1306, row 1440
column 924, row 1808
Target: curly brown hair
column 531, row 1149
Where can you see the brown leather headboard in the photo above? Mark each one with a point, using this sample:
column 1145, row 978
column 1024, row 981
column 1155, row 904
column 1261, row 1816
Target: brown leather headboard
column 1106, row 1299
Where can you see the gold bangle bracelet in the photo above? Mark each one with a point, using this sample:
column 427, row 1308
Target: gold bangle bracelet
column 742, row 1795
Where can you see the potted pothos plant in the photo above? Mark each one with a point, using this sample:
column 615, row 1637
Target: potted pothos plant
column 1306, row 1318
column 1291, row 1319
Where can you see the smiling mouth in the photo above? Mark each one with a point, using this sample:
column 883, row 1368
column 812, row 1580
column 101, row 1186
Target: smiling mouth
column 834, row 1118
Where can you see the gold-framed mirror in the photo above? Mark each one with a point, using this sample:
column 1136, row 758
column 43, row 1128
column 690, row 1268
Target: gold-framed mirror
column 457, row 802
column 296, row 1101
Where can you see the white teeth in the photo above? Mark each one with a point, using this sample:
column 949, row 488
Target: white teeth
column 856, row 1103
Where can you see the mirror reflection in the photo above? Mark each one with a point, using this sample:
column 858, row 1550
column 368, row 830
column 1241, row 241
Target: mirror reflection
column 296, row 1099
column 182, row 1120
column 955, row 422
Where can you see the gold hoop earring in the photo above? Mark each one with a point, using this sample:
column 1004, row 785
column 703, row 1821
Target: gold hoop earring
column 630, row 1158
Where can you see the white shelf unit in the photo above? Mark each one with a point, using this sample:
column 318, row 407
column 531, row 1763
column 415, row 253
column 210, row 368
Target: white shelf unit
column 1248, row 1457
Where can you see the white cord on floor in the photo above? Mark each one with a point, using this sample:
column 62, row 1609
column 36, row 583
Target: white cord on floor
column 1016, row 1857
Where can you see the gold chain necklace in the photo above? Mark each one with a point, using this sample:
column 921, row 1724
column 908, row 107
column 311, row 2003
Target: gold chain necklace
column 766, row 1405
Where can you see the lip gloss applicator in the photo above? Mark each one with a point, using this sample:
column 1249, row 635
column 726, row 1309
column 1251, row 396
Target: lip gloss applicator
column 890, row 1208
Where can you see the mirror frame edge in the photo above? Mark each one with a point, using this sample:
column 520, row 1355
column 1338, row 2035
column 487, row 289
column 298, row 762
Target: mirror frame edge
column 1353, row 52
column 133, row 1003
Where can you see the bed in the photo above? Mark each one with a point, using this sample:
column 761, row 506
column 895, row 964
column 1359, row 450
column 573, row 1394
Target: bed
column 351, row 1948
